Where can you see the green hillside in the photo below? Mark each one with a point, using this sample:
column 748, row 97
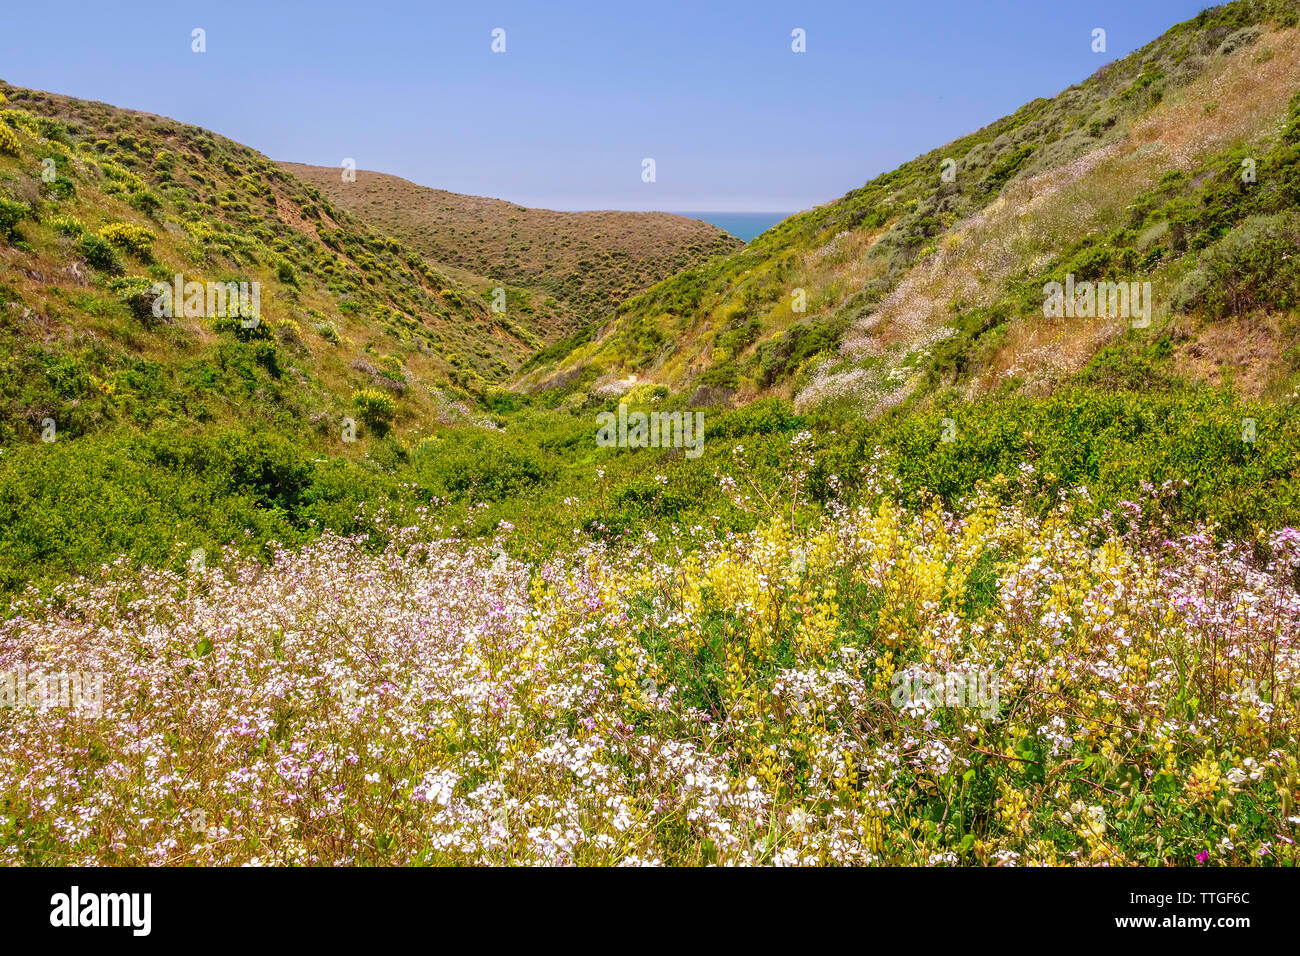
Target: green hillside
column 921, row 287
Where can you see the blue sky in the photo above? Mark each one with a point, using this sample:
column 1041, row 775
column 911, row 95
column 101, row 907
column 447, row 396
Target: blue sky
column 584, row 91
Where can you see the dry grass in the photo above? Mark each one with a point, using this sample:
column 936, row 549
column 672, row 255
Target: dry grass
column 1033, row 220
column 1243, row 351
column 590, row 261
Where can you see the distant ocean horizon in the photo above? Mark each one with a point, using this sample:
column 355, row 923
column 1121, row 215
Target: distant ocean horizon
column 742, row 225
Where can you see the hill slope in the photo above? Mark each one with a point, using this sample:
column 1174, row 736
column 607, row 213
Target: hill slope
column 921, row 285
column 97, row 203
column 588, row 261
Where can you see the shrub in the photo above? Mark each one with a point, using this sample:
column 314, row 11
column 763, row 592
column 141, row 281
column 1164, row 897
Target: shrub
column 137, row 293
column 244, row 324
column 68, row 225
column 11, row 212
column 377, row 409
column 127, row 180
column 481, row 466
column 1254, row 265
column 99, row 253
column 144, row 201
column 17, row 118
column 61, row 188
column 289, row 331
column 8, row 141
column 135, row 240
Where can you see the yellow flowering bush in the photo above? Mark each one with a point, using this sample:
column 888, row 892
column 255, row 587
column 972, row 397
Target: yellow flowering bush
column 9, row 144
column 133, row 239
column 376, row 408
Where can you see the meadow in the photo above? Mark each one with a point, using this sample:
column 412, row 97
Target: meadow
column 746, row 658
column 702, row 698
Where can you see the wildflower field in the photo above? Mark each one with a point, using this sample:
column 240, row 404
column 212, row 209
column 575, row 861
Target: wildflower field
column 694, row 696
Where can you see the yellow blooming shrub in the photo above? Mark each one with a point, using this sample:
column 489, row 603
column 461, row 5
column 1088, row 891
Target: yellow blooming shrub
column 136, row 240
column 9, row 144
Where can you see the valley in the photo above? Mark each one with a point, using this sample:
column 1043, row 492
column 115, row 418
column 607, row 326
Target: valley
column 949, row 522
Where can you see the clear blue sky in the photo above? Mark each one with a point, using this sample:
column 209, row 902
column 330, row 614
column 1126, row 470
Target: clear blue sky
column 584, row 91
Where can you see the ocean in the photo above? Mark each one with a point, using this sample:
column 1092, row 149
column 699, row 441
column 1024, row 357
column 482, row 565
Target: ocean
column 742, row 225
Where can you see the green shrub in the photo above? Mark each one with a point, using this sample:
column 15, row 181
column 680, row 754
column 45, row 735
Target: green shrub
column 482, row 466
column 71, row 506
column 765, row 416
column 144, row 201
column 244, row 326
column 377, row 409
column 121, row 177
column 99, row 253
column 61, row 187
column 17, row 118
column 137, row 293
column 1257, row 264
column 11, row 213
column 68, row 225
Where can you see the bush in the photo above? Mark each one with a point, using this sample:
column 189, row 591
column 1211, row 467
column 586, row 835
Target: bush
column 17, row 118
column 11, row 213
column 8, row 142
column 377, row 409
column 99, row 253
column 71, row 506
column 144, row 201
column 1255, row 265
column 68, row 225
column 135, row 240
column 121, row 179
column 244, row 326
column 137, row 293
column 479, row 466
column 765, row 416
column 61, row 188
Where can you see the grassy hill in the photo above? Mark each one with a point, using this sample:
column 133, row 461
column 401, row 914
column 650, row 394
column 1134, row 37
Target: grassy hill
column 130, row 199
column 920, row 287
column 582, row 264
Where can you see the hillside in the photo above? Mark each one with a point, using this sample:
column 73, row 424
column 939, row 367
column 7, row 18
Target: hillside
column 918, row 289
column 133, row 199
column 588, row 262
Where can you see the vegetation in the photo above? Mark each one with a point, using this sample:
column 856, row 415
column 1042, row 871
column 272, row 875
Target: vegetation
column 848, row 684
column 565, row 268
column 947, row 580
column 1217, row 461
column 869, row 302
